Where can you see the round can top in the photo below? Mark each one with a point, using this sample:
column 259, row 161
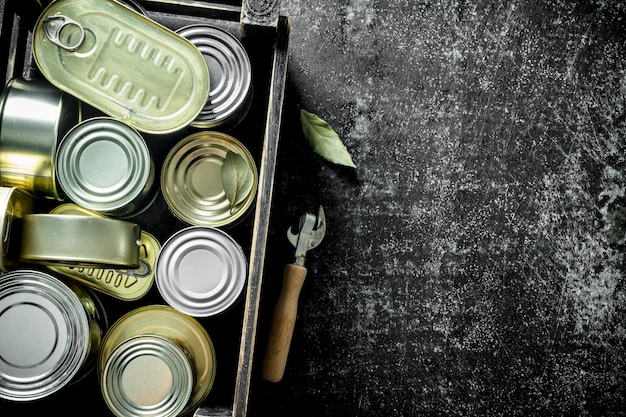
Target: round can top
column 14, row 204
column 147, row 376
column 193, row 174
column 201, row 271
column 230, row 73
column 45, row 335
column 104, row 165
column 165, row 321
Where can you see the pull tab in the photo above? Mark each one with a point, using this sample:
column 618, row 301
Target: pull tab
column 54, row 26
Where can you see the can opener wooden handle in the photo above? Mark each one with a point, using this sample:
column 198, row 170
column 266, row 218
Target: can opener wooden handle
column 310, row 235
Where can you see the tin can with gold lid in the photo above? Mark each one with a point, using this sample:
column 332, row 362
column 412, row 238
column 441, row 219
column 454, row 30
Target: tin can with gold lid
column 193, row 179
column 34, row 116
column 149, row 358
column 14, row 204
column 51, row 332
column 105, row 165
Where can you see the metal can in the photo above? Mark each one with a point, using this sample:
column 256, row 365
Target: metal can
column 192, row 182
column 156, row 362
column 34, row 116
column 51, row 332
column 230, row 73
column 201, row 271
column 14, row 204
column 105, row 165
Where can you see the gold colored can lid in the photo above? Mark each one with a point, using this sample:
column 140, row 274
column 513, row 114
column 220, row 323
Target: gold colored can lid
column 76, row 240
column 14, row 204
column 125, row 284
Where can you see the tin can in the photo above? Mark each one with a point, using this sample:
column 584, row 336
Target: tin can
column 34, row 116
column 51, row 332
column 192, row 180
column 201, row 271
column 230, row 73
column 156, row 362
column 105, row 165
column 14, row 204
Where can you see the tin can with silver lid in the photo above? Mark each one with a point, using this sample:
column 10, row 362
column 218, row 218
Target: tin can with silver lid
column 230, row 73
column 51, row 332
column 34, row 116
column 156, row 362
column 193, row 180
column 15, row 203
column 201, row 271
column 105, row 165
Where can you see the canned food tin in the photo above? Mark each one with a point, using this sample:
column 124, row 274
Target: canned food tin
column 105, row 165
column 34, row 116
column 146, row 361
column 121, row 63
column 201, row 271
column 125, row 284
column 192, row 182
column 230, row 73
column 14, row 204
column 50, row 334
column 75, row 240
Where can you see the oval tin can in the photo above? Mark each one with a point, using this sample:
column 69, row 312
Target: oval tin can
column 192, row 180
column 105, row 165
column 162, row 337
column 34, row 116
column 124, row 284
column 230, row 73
column 121, row 63
column 51, row 332
column 14, row 204
column 201, row 271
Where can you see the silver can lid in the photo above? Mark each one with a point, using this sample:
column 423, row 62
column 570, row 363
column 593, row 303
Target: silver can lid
column 201, row 271
column 230, row 73
column 147, row 376
column 45, row 335
column 104, row 165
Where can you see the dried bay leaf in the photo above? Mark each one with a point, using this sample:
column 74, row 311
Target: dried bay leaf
column 237, row 178
column 324, row 140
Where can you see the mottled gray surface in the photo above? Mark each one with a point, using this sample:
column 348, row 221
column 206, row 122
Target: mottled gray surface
column 474, row 260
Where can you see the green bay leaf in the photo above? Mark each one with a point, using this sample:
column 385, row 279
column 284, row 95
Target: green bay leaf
column 324, row 140
column 237, row 178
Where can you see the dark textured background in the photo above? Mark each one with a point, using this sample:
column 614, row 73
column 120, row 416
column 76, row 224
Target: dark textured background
column 474, row 260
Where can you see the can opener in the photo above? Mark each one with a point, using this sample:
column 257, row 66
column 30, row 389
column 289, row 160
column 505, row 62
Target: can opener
column 310, row 234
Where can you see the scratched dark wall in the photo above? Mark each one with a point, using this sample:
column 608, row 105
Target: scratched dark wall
column 474, row 260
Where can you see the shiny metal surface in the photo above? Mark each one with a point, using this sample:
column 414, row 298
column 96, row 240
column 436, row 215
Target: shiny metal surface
column 122, row 63
column 106, row 166
column 125, row 284
column 34, row 116
column 47, row 335
column 230, row 73
column 14, row 204
column 191, row 180
column 77, row 240
column 185, row 331
column 201, row 271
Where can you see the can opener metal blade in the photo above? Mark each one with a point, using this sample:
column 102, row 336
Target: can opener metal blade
column 311, row 232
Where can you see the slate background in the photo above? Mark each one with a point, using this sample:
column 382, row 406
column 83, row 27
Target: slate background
column 474, row 259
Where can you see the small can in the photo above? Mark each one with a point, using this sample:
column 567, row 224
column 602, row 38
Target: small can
column 105, row 165
column 156, row 362
column 14, row 204
column 51, row 333
column 34, row 116
column 201, row 271
column 230, row 73
column 192, row 180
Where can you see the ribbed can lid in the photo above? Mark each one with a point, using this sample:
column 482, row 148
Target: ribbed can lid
column 105, row 165
column 201, row 271
column 45, row 335
column 230, row 73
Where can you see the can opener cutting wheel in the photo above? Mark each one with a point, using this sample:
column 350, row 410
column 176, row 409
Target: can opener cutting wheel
column 310, row 235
